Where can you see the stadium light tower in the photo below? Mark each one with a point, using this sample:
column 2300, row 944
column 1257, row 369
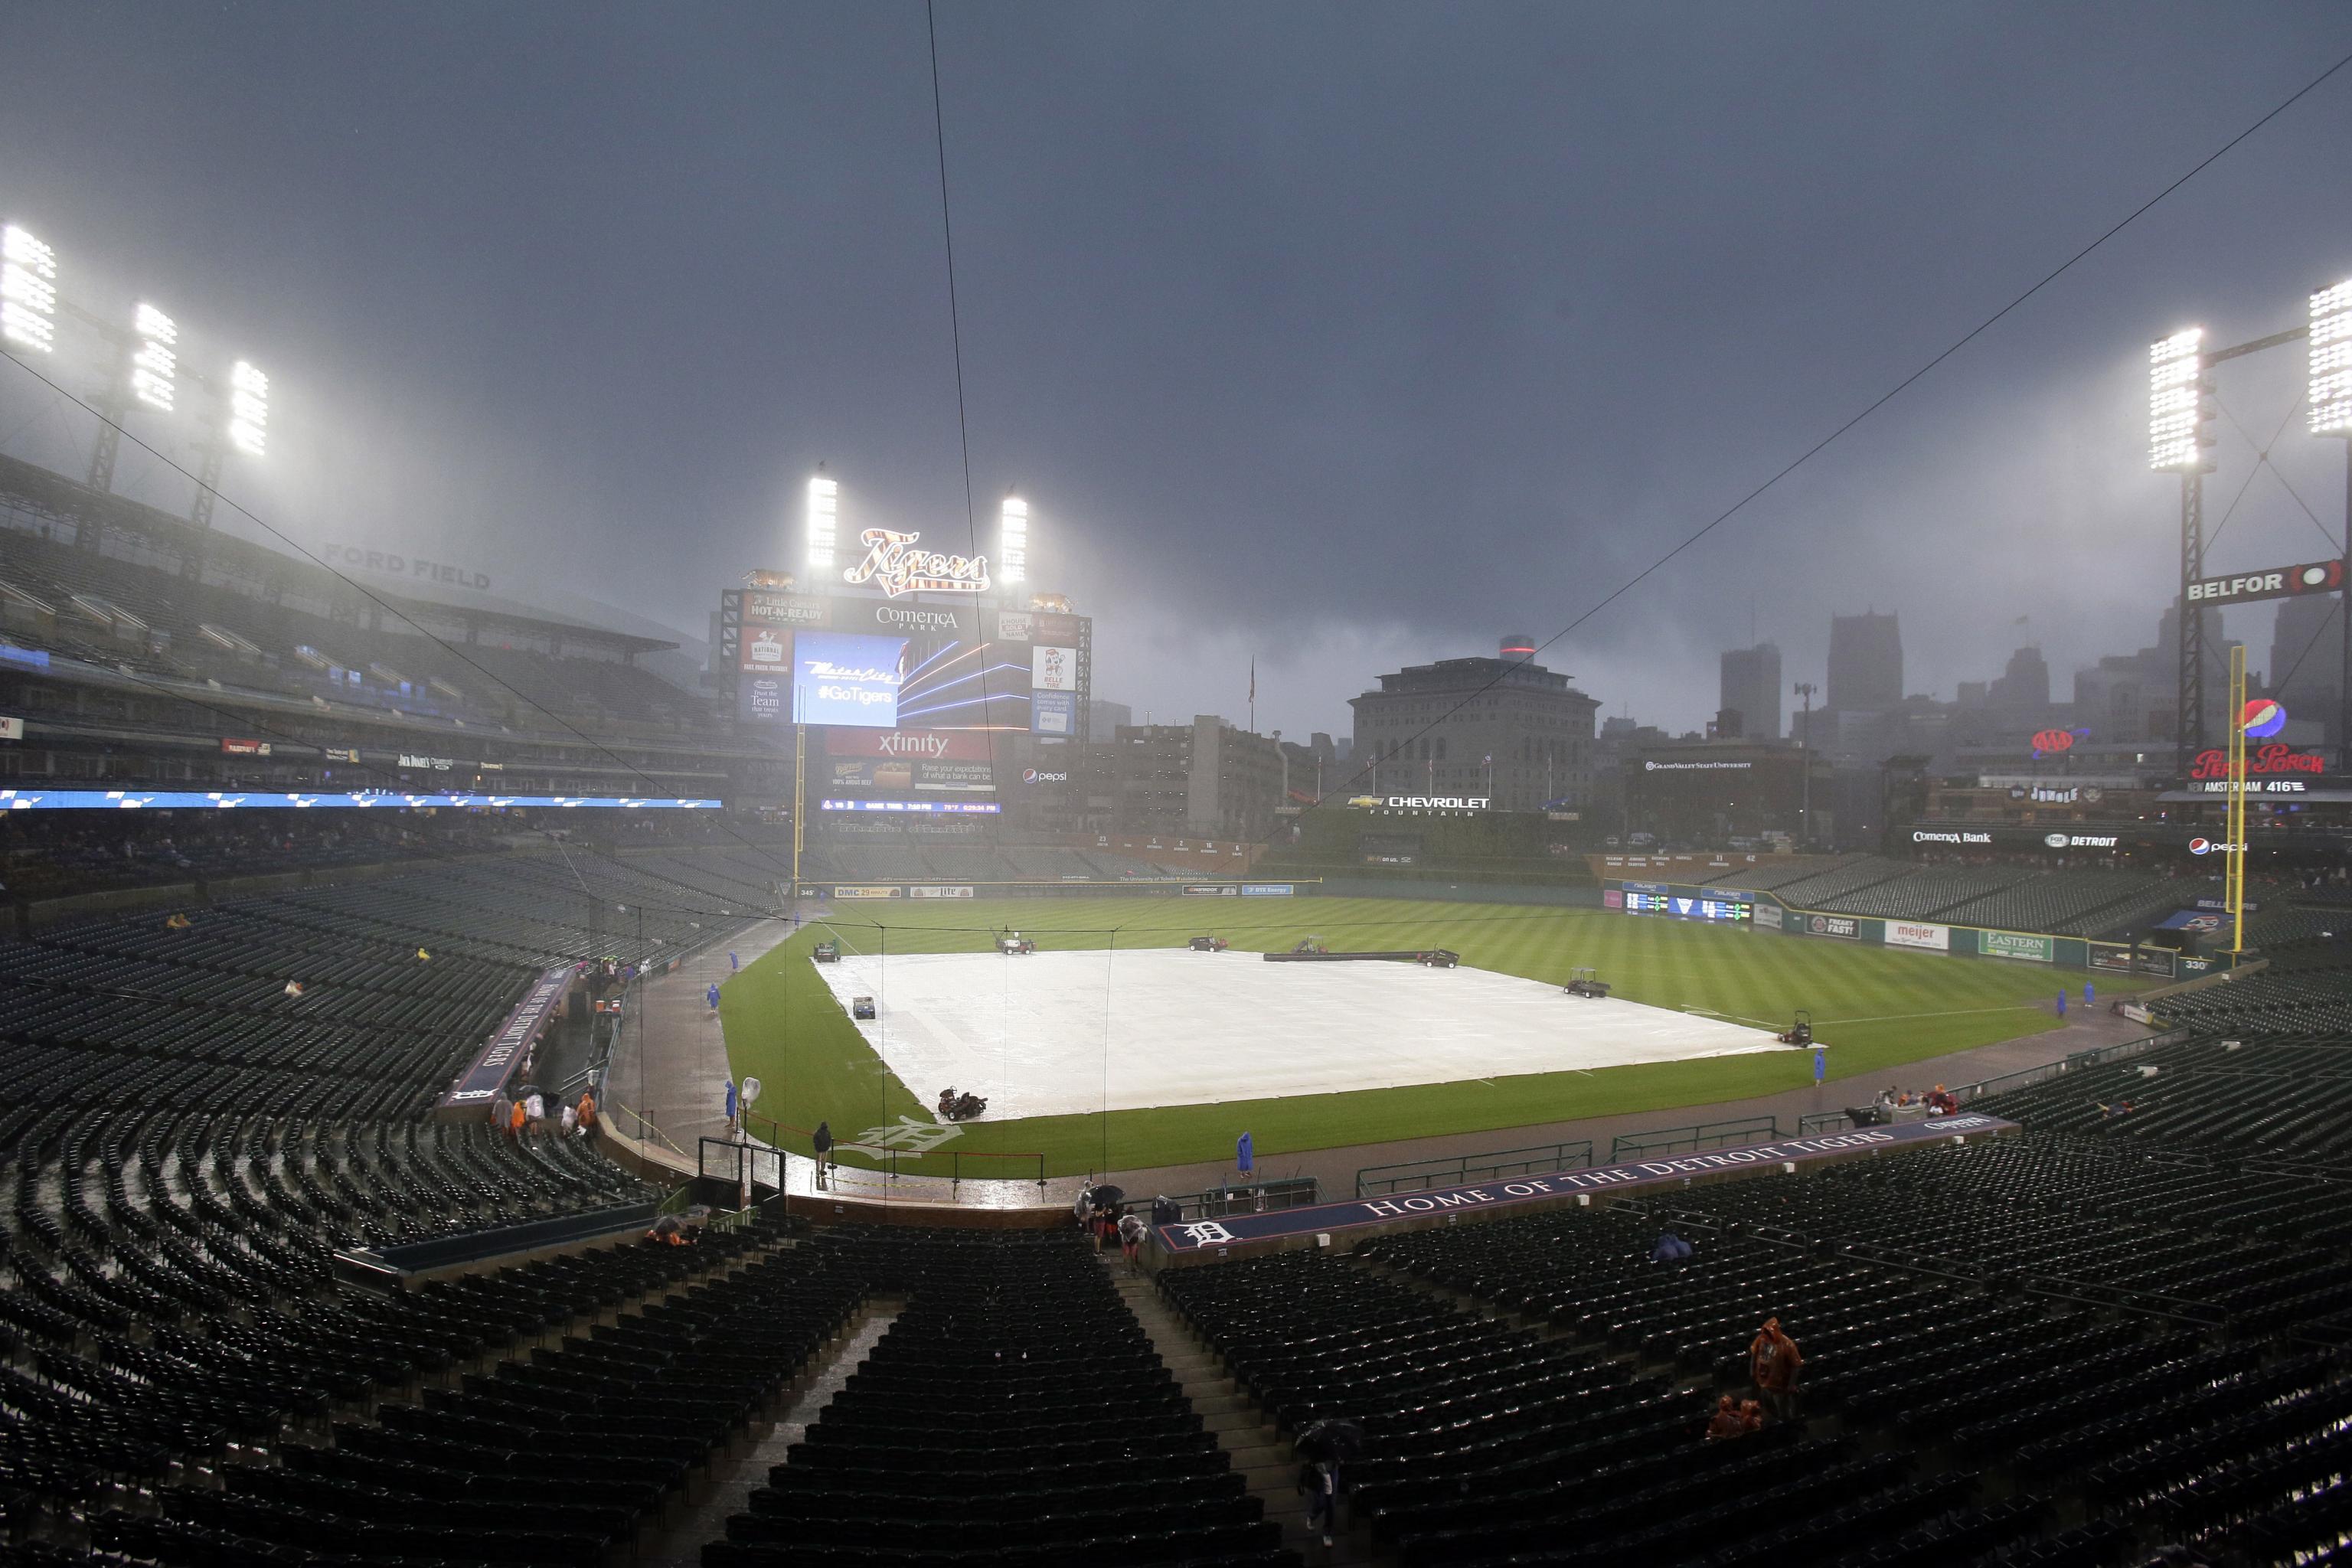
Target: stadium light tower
column 2330, row 397
column 2180, row 434
column 248, row 410
column 824, row 520
column 2331, row 360
column 1013, row 542
column 247, row 431
column 154, row 347
column 154, row 359
column 28, row 290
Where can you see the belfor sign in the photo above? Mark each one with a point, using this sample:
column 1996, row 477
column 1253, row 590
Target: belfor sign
column 2280, row 582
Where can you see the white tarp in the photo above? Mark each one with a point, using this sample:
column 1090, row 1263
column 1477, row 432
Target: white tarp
column 1056, row 1032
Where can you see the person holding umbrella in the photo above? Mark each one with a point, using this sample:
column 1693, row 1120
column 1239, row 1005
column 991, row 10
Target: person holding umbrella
column 1324, row 1449
column 1105, row 1215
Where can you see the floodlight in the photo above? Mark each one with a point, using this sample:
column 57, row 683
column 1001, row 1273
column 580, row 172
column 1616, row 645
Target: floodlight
column 2176, row 405
column 2331, row 360
column 249, row 409
column 824, row 507
column 156, row 363
column 28, row 290
column 1012, row 540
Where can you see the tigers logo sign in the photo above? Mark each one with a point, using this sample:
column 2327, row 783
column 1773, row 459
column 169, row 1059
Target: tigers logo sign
column 895, row 564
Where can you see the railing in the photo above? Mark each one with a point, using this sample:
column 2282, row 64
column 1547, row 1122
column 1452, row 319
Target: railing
column 1011, row 1165
column 1821, row 1121
column 1684, row 1140
column 1263, row 1197
column 1420, row 1175
column 723, row 1160
column 1033, row 1167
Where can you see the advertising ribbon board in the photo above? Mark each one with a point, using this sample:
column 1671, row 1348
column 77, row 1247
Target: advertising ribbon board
column 1497, row 1197
column 2019, row 945
column 933, row 892
column 1267, row 890
column 1844, row 927
column 502, row 1053
column 842, row 892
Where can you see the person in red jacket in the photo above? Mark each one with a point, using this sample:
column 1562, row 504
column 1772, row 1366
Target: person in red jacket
column 1725, row 1422
column 1773, row 1364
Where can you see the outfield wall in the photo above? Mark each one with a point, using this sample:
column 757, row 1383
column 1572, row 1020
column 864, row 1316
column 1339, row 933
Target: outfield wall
column 1681, row 901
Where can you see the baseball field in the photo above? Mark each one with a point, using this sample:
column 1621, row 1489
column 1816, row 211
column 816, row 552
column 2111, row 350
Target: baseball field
column 1876, row 1008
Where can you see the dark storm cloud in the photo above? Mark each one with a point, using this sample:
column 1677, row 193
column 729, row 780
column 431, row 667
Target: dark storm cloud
column 1339, row 336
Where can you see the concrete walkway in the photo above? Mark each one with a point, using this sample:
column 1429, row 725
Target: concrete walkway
column 670, row 1065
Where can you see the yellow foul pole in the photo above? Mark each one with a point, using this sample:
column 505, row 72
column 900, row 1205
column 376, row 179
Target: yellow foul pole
column 2233, row 883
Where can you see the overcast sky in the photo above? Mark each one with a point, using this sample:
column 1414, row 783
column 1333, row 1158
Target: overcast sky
column 1339, row 336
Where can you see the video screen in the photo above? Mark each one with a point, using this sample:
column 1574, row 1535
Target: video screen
column 841, row 678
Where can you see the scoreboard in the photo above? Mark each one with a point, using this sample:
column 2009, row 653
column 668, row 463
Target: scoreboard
column 1735, row 910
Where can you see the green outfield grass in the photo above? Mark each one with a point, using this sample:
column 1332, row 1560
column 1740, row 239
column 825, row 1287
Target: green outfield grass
column 1877, row 1007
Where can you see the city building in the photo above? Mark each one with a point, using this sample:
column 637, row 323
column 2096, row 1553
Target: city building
column 1752, row 689
column 1207, row 779
column 1728, row 794
column 1503, row 728
column 1865, row 663
column 2024, row 687
column 2307, row 664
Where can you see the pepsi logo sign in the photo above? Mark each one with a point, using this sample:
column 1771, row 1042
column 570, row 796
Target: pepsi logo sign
column 2263, row 718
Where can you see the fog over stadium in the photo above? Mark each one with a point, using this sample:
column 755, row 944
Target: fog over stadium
column 1339, row 338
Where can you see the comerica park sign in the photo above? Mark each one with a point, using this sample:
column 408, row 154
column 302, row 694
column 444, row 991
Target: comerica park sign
column 2279, row 583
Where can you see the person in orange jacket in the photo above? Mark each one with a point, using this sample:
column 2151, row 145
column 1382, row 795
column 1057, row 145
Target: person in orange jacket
column 1773, row 1364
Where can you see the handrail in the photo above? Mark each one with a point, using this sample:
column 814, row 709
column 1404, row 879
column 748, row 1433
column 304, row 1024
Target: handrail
column 1419, row 1176
column 888, row 1160
column 956, row 1157
column 1280, row 1193
column 1702, row 1135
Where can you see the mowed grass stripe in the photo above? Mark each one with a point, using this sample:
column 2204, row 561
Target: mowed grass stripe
column 782, row 1023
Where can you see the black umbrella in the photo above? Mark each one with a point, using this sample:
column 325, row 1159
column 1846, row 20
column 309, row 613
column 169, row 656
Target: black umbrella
column 1331, row 1440
column 1106, row 1197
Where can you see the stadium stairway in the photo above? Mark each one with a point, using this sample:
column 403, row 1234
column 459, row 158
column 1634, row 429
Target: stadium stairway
column 735, row 1475
column 1243, row 1429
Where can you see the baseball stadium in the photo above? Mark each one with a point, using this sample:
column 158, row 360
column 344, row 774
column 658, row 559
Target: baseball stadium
column 495, row 1076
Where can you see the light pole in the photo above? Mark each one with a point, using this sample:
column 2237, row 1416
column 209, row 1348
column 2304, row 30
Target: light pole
column 1805, row 689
